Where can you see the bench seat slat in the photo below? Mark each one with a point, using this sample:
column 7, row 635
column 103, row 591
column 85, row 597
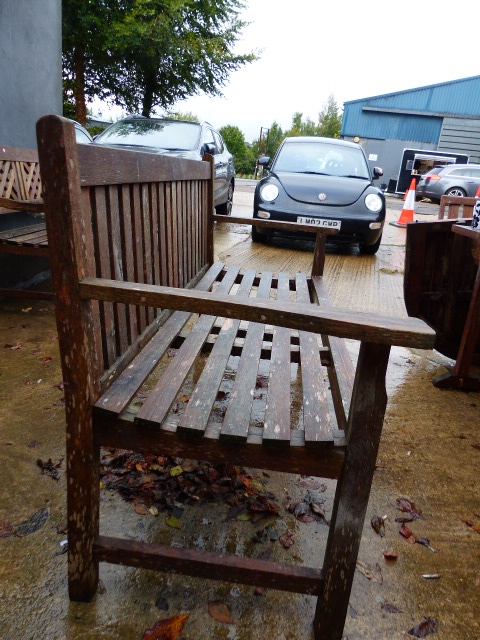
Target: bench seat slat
column 28, row 240
column 20, row 232
column 120, row 392
column 162, row 396
column 195, row 418
column 237, row 416
column 316, row 417
column 342, row 374
column 277, row 410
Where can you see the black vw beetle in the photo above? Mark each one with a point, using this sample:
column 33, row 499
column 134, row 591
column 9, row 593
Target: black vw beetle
column 322, row 181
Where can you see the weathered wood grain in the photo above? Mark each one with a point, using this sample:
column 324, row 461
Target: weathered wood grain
column 276, row 427
column 406, row 332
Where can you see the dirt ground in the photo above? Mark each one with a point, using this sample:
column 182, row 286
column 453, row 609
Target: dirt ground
column 430, row 454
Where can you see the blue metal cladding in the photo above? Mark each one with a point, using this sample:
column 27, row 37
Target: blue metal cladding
column 458, row 98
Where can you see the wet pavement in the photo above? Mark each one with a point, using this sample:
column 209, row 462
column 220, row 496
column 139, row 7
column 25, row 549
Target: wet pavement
column 430, row 454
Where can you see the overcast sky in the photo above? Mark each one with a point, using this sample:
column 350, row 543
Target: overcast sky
column 351, row 49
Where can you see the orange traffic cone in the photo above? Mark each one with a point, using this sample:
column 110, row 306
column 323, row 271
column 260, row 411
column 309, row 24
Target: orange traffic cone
column 477, row 195
column 408, row 208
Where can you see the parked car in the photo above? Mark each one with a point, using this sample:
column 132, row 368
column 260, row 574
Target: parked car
column 326, row 182
column 451, row 180
column 81, row 134
column 177, row 138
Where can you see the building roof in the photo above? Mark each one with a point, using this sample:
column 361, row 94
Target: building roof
column 413, row 114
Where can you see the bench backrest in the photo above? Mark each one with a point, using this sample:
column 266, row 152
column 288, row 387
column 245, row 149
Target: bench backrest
column 124, row 215
column 19, row 174
column 454, row 207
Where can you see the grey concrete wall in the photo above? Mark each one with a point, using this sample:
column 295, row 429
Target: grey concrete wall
column 30, row 86
column 30, row 67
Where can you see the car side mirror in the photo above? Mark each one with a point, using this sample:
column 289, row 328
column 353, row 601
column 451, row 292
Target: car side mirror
column 377, row 172
column 264, row 161
column 209, row 148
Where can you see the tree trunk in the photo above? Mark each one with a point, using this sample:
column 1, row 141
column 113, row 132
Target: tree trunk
column 79, row 84
column 148, row 93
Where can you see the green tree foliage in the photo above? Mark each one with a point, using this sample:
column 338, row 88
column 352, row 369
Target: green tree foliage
column 330, row 119
column 142, row 54
column 244, row 156
column 275, row 137
column 234, row 139
column 329, row 122
column 179, row 115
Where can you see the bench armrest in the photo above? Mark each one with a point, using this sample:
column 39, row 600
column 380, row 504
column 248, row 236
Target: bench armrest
column 320, row 234
column 276, row 224
column 356, row 325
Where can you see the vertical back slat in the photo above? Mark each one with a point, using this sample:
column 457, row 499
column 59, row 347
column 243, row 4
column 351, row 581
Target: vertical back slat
column 162, row 235
column 101, row 222
column 116, row 255
column 155, row 234
column 148, row 266
column 128, row 255
column 138, row 250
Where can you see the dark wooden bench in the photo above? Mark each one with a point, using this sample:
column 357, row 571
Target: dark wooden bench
column 131, row 238
column 442, row 287
column 21, row 208
column 455, row 207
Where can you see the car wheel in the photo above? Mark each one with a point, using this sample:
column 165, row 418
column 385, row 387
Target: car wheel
column 259, row 237
column 456, row 191
column 370, row 249
column 225, row 209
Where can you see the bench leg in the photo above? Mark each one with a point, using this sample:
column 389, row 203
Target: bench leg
column 353, row 489
column 83, row 493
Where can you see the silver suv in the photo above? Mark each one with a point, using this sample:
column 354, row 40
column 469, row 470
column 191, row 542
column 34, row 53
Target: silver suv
column 178, row 138
column 452, row 180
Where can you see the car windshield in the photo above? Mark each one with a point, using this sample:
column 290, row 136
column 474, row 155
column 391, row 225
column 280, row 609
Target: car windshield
column 322, row 158
column 161, row 134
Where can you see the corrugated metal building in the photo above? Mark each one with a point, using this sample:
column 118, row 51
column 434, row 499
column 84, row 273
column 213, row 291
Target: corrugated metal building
column 442, row 118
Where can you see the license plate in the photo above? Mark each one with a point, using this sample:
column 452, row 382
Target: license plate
column 320, row 222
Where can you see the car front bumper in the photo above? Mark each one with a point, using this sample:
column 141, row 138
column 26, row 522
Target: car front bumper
column 354, row 229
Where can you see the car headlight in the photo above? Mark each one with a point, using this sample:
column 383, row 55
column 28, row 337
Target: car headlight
column 269, row 192
column 373, row 202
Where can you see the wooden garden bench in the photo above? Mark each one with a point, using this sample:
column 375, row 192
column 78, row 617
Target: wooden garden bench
column 20, row 198
column 131, row 239
column 454, row 207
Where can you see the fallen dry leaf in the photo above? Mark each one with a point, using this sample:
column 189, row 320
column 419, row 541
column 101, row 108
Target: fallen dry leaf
column 6, row 529
column 50, row 468
column 14, row 347
column 219, row 611
column 425, row 628
column 390, row 554
column 412, row 538
column 406, row 506
column 34, row 523
column 173, row 522
column 378, row 525
column 141, row 509
column 168, row 629
column 311, row 483
column 287, row 539
column 373, row 573
column 390, row 608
